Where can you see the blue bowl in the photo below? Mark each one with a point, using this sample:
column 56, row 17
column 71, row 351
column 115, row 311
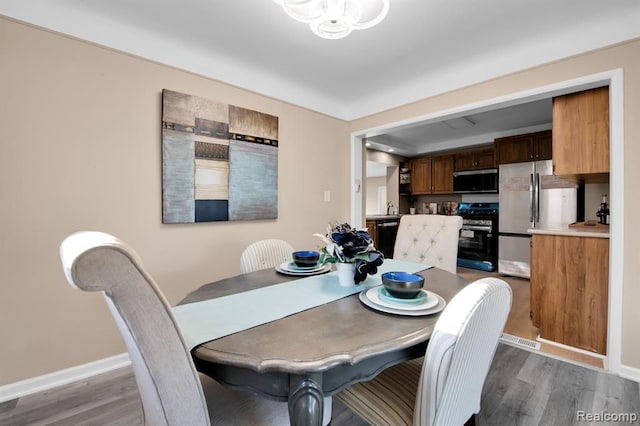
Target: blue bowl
column 402, row 284
column 306, row 259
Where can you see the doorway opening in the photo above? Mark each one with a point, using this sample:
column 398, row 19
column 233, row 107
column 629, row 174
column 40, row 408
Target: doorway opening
column 612, row 78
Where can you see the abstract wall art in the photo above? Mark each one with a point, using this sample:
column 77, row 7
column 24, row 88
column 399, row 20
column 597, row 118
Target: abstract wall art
column 219, row 161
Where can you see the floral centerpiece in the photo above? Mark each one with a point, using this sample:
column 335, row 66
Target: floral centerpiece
column 344, row 244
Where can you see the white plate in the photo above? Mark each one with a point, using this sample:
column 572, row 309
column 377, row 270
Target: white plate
column 303, row 272
column 430, row 311
column 292, row 267
column 429, row 302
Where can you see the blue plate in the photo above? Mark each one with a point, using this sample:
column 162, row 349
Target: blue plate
column 384, row 295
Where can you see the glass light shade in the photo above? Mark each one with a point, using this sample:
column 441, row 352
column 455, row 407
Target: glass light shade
column 335, row 19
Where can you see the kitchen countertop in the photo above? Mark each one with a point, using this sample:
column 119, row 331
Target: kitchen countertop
column 564, row 230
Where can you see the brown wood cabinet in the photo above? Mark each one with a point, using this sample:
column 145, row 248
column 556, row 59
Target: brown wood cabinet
column 432, row 175
column 371, row 229
column 476, row 159
column 521, row 148
column 404, row 177
column 581, row 134
column 569, row 290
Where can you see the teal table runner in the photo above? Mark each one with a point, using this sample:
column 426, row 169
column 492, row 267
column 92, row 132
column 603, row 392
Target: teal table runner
column 207, row 320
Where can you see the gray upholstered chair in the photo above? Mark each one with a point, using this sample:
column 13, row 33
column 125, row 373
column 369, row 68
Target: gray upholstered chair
column 429, row 239
column 171, row 389
column 446, row 388
column 265, row 254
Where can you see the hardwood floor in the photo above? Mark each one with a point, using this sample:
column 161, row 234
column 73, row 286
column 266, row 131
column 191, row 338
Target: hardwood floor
column 522, row 388
column 527, row 388
column 519, row 323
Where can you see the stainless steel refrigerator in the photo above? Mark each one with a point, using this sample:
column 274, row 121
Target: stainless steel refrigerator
column 530, row 197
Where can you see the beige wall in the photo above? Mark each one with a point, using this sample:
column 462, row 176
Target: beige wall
column 80, row 149
column 592, row 199
column 373, row 183
column 625, row 56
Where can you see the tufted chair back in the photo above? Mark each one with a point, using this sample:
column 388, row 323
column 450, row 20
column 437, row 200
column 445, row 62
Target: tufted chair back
column 429, row 239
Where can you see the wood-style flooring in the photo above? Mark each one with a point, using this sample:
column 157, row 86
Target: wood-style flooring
column 522, row 388
column 519, row 323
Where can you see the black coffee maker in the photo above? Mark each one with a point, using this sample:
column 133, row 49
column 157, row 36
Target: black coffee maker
column 603, row 213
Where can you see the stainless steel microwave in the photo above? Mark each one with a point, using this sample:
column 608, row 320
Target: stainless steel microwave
column 472, row 181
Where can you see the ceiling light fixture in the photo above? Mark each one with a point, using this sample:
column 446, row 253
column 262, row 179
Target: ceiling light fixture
column 334, row 19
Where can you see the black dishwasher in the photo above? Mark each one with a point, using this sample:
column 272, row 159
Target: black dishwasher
column 386, row 231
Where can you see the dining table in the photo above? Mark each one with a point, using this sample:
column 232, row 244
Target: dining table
column 309, row 355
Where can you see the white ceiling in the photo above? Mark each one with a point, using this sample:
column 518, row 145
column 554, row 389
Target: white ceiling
column 422, row 48
column 472, row 129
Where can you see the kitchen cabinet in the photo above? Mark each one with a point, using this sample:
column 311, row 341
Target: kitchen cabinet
column 476, row 159
column 404, row 185
column 581, row 135
column 522, row 148
column 569, row 290
column 371, row 229
column 432, row 175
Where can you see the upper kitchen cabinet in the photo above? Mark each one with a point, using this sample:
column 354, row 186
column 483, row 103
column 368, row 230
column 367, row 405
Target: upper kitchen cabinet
column 581, row 135
column 432, row 175
column 404, row 186
column 475, row 159
column 522, row 148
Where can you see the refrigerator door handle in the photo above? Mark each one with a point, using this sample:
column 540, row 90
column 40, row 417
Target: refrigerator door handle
column 536, row 198
column 531, row 199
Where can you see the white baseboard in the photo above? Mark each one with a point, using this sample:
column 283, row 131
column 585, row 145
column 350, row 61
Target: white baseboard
column 62, row 377
column 630, row 373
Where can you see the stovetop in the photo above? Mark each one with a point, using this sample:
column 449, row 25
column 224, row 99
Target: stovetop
column 479, row 209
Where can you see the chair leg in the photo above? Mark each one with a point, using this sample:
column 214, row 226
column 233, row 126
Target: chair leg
column 471, row 421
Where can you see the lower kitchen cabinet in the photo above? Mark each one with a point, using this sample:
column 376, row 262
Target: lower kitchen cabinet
column 371, row 229
column 569, row 290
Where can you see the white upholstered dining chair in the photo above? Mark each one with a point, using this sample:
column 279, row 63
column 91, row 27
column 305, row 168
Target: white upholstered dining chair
column 265, row 254
column 429, row 239
column 171, row 390
column 444, row 387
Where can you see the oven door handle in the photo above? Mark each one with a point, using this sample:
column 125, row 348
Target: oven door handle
column 476, row 228
column 387, row 224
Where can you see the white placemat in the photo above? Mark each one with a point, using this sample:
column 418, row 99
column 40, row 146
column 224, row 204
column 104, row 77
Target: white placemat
column 211, row 319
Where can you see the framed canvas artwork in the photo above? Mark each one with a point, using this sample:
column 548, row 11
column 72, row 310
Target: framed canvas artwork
column 219, row 161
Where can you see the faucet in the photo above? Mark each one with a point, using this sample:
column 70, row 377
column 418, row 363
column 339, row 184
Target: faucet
column 390, row 206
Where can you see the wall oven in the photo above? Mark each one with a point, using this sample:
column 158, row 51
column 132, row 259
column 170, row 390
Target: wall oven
column 478, row 242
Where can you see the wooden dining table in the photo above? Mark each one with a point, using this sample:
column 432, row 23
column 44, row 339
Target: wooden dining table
column 307, row 356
